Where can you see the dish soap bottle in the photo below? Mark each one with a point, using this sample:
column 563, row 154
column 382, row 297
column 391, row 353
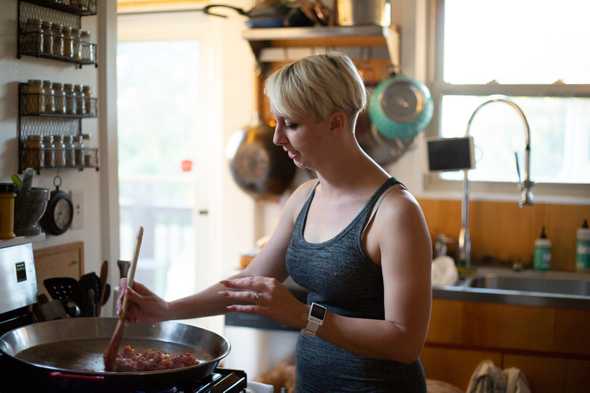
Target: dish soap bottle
column 583, row 247
column 542, row 253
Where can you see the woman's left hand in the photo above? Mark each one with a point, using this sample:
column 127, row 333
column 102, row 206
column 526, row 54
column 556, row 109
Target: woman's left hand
column 265, row 296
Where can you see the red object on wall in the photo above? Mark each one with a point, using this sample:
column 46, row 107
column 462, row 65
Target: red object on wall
column 186, row 165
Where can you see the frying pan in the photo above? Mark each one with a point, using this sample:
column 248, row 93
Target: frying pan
column 257, row 165
column 400, row 107
column 70, row 350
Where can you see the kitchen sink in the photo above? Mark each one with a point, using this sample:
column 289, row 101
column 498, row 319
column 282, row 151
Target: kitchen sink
column 522, row 282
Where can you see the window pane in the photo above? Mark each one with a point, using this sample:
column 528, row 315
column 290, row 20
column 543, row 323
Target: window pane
column 516, row 42
column 560, row 137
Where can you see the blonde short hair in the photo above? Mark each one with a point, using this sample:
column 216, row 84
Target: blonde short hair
column 317, row 85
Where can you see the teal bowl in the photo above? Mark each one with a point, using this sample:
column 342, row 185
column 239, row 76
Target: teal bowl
column 400, row 107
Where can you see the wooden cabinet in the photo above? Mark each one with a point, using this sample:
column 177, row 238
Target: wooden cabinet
column 454, row 366
column 66, row 260
column 550, row 345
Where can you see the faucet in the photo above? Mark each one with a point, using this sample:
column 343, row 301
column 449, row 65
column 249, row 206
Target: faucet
column 526, row 196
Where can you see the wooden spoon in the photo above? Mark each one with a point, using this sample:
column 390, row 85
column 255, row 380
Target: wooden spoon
column 110, row 353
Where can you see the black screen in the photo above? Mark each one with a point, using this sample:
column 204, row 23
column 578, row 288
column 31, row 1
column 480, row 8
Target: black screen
column 21, row 272
column 318, row 311
column 449, row 154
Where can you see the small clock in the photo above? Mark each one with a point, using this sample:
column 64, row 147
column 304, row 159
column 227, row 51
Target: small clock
column 60, row 211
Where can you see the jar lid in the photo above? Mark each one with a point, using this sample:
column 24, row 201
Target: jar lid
column 7, row 187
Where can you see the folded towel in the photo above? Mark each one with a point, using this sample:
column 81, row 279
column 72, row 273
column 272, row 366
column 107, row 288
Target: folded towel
column 487, row 378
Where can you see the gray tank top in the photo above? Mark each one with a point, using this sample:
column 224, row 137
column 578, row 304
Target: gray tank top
column 340, row 276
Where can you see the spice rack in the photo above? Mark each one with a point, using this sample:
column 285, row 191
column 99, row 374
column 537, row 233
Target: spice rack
column 51, row 29
column 60, row 125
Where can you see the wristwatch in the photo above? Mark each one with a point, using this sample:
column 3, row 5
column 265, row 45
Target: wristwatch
column 315, row 319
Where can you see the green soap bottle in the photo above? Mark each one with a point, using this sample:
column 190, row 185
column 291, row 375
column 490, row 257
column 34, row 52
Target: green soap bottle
column 583, row 248
column 542, row 253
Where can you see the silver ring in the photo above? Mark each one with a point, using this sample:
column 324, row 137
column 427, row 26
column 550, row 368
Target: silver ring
column 257, row 297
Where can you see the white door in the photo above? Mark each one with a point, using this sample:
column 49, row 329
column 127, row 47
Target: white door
column 167, row 76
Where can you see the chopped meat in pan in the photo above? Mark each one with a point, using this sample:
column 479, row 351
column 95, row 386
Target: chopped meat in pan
column 130, row 359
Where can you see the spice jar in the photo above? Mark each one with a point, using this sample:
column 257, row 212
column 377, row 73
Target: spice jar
column 68, row 43
column 77, row 53
column 70, row 99
column 49, row 151
column 60, row 98
column 69, row 147
column 7, row 195
column 48, row 38
column 32, row 40
column 80, row 103
column 58, row 39
column 88, row 102
column 34, row 97
column 79, row 151
column 34, row 155
column 86, row 49
column 60, row 151
column 49, row 97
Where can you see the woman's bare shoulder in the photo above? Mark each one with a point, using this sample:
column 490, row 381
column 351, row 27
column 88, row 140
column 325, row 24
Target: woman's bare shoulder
column 399, row 206
column 299, row 196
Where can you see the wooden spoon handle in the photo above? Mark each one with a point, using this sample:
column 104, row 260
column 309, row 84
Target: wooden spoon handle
column 132, row 270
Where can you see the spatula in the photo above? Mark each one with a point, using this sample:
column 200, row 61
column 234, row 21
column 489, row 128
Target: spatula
column 110, row 353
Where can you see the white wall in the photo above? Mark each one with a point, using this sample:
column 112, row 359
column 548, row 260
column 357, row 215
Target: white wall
column 13, row 71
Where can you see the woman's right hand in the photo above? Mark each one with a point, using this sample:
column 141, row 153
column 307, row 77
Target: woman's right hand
column 142, row 304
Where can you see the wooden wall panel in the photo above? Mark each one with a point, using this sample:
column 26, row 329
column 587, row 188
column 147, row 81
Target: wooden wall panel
column 504, row 231
column 454, row 366
column 545, row 375
column 577, row 379
column 572, row 330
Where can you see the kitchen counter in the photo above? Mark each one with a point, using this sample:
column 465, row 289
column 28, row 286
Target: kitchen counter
column 463, row 291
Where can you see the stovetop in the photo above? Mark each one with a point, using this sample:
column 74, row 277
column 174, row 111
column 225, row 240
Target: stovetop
column 220, row 381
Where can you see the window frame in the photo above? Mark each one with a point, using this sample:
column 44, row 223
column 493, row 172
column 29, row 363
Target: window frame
column 432, row 182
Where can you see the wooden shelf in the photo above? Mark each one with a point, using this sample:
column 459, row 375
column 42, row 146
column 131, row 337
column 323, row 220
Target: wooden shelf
column 355, row 38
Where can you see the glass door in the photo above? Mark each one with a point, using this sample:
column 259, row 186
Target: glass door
column 166, row 126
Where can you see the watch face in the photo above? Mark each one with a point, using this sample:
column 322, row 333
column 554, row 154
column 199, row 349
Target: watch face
column 62, row 214
column 318, row 311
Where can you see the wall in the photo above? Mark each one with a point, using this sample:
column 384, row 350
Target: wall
column 87, row 183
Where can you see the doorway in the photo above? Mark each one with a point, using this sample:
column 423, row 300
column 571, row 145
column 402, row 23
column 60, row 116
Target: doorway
column 168, row 125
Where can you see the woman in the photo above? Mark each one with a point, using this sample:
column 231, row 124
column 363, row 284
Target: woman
column 355, row 238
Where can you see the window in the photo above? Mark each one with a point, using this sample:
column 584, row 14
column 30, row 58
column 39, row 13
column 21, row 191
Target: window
column 531, row 51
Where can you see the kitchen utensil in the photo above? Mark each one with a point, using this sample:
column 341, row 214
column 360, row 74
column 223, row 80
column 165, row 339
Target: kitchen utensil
column 104, row 275
column 123, row 268
column 27, row 182
column 67, row 291
column 362, row 13
column 107, row 292
column 400, row 107
column 70, row 351
column 49, row 311
column 72, row 309
column 257, row 165
column 92, row 302
column 87, row 282
column 110, row 352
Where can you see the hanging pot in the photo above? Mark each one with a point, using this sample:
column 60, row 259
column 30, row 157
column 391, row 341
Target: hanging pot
column 400, row 107
column 257, row 165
